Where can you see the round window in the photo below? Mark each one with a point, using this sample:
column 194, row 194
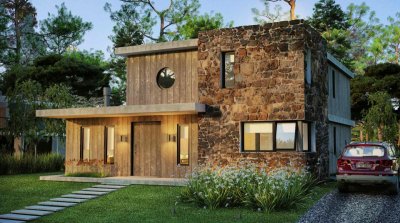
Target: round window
column 165, row 78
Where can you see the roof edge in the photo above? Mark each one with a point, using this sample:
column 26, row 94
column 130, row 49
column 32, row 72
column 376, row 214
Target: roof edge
column 152, row 48
column 340, row 66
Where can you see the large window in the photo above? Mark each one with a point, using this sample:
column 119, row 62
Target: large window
column 275, row 136
column 183, row 145
column 227, row 74
column 109, row 137
column 165, row 78
column 307, row 66
column 85, row 144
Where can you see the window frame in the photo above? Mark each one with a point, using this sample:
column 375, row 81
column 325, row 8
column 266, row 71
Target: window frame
column 106, row 144
column 178, row 145
column 81, row 152
column 333, row 78
column 223, row 67
column 308, row 66
column 274, row 128
column 308, row 134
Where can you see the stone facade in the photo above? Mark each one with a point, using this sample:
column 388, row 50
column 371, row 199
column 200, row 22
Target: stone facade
column 269, row 86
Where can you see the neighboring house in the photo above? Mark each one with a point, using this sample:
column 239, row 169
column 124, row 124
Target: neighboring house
column 267, row 94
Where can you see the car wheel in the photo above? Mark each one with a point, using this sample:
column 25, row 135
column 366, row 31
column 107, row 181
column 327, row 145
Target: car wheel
column 395, row 187
column 343, row 187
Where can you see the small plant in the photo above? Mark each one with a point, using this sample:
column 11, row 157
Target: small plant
column 87, row 174
column 247, row 185
column 28, row 163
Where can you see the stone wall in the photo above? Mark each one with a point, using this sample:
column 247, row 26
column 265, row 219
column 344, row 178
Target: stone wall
column 269, row 76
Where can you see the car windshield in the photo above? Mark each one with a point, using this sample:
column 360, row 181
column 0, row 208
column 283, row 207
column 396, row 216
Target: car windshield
column 361, row 151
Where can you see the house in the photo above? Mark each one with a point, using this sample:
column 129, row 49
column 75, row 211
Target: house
column 268, row 94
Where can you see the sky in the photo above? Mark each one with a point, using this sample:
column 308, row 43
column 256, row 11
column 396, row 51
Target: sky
column 238, row 11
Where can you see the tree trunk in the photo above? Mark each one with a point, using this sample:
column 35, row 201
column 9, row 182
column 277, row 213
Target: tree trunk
column 366, row 137
column 17, row 35
column 162, row 27
column 398, row 139
column 380, row 134
column 361, row 135
column 292, row 4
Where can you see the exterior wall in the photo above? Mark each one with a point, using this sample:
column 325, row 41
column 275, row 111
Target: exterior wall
column 269, row 74
column 122, row 162
column 142, row 72
column 343, row 137
column 340, row 105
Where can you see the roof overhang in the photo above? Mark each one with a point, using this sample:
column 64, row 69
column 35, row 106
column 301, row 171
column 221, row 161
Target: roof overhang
column 332, row 60
column 341, row 120
column 182, row 45
column 123, row 111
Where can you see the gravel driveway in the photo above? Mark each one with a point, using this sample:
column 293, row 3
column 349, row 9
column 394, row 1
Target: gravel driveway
column 361, row 206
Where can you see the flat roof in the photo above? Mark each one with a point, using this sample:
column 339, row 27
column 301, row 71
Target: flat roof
column 181, row 45
column 121, row 111
column 340, row 66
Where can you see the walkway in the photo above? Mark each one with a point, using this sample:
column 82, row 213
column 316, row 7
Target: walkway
column 57, row 204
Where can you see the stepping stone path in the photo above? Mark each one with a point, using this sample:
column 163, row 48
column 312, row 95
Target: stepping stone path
column 58, row 204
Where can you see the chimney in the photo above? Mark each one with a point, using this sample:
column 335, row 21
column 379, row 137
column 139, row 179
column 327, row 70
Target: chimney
column 106, row 95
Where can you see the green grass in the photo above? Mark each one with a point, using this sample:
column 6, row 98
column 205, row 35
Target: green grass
column 133, row 204
column 18, row 191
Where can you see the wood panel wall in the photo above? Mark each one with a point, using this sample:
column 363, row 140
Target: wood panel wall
column 142, row 72
column 343, row 137
column 122, row 162
column 340, row 105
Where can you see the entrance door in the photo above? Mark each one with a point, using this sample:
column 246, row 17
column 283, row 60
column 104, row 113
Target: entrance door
column 333, row 150
column 146, row 149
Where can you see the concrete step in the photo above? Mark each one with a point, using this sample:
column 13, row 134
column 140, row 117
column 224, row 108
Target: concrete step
column 20, row 217
column 79, row 196
column 57, row 204
column 72, row 200
column 89, row 192
column 44, row 208
column 32, row 212
column 109, row 186
column 100, row 189
column 10, row 221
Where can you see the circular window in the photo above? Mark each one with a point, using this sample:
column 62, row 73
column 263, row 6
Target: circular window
column 165, row 78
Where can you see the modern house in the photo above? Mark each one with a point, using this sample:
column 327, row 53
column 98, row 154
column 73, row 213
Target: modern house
column 267, row 94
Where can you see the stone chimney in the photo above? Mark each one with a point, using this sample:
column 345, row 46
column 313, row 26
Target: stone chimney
column 106, row 95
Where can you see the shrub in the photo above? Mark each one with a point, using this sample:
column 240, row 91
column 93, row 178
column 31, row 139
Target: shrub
column 28, row 163
column 248, row 186
column 86, row 174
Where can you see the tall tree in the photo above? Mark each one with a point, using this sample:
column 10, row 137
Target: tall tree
column 391, row 36
column 291, row 3
column 267, row 15
column 168, row 19
column 20, row 33
column 63, row 30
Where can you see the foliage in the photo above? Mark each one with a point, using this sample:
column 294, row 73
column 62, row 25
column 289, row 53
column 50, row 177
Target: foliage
column 249, row 186
column 266, row 16
column 391, row 35
column 381, row 116
column 63, row 30
column 291, row 3
column 28, row 163
column 89, row 174
column 197, row 23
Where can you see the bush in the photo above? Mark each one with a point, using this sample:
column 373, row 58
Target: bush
column 28, row 163
column 87, row 174
column 248, row 186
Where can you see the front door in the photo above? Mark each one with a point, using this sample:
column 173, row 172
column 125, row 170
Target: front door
column 146, row 159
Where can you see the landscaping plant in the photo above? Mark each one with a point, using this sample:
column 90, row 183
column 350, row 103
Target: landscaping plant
column 28, row 163
column 247, row 185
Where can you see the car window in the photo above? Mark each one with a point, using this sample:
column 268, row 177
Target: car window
column 361, row 151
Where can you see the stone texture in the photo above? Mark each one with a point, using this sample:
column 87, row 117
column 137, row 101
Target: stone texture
column 72, row 200
column 109, row 186
column 100, row 189
column 44, row 208
column 269, row 86
column 79, row 196
column 19, row 217
column 10, row 221
column 57, row 204
column 32, row 212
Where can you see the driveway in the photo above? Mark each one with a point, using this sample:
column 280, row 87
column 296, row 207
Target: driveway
column 364, row 205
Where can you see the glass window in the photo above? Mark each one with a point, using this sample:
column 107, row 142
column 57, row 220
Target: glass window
column 307, row 66
column 165, row 78
column 85, row 143
column 361, row 151
column 285, row 135
column 183, row 144
column 258, row 136
column 110, row 144
column 306, row 137
column 228, row 77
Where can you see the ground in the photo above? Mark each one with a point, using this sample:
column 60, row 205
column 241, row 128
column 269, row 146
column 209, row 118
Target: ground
column 363, row 204
column 135, row 203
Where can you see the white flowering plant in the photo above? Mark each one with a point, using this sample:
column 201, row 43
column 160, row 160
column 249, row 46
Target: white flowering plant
column 247, row 185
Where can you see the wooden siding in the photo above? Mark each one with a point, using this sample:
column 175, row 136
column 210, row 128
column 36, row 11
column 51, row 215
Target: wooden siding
column 142, row 72
column 343, row 137
column 122, row 153
column 340, row 105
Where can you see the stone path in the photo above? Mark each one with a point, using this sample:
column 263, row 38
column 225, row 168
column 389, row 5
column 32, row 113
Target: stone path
column 57, row 204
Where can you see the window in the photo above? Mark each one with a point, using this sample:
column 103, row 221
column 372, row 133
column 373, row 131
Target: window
column 165, row 78
column 307, row 66
column 109, row 138
column 333, row 84
column 227, row 75
column 362, row 151
column 258, row 136
column 85, row 144
column 275, row 136
column 183, row 145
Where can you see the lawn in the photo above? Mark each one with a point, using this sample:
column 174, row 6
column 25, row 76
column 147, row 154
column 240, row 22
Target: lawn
column 134, row 204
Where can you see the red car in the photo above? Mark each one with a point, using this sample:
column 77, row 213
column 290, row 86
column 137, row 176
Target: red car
column 368, row 163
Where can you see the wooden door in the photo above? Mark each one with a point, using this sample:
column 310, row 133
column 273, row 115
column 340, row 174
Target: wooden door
column 146, row 149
